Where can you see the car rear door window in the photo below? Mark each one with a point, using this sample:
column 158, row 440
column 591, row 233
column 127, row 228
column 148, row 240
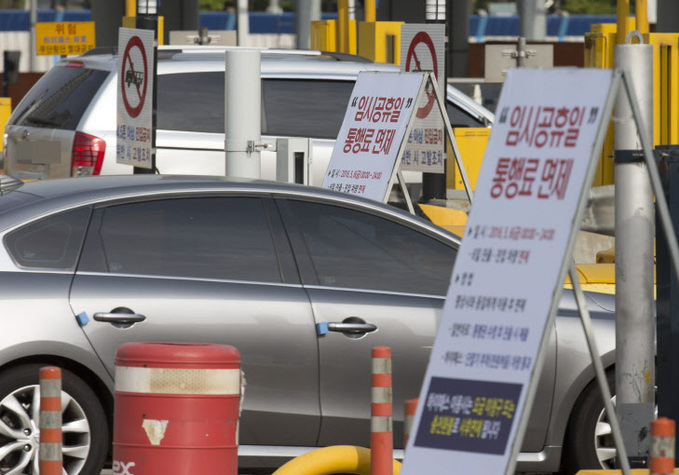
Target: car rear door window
column 211, row 238
column 193, row 102
column 305, row 107
column 49, row 243
column 354, row 249
column 59, row 99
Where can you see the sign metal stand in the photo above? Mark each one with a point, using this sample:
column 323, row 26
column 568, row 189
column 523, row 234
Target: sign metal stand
column 429, row 80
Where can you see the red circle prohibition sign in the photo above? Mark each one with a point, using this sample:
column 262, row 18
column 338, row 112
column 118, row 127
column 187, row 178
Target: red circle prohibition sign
column 134, row 111
column 423, row 37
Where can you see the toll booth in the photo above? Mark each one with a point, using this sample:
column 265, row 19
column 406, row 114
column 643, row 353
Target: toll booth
column 599, row 53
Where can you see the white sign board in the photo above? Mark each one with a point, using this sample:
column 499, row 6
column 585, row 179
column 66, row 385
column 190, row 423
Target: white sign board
column 509, row 271
column 374, row 127
column 423, row 49
column 135, row 97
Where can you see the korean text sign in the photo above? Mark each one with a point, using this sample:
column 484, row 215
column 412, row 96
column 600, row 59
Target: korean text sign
column 64, row 38
column 135, row 97
column 509, row 271
column 373, row 129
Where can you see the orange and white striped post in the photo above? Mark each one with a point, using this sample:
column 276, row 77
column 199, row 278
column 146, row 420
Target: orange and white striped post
column 662, row 446
column 381, row 424
column 50, row 456
column 411, row 409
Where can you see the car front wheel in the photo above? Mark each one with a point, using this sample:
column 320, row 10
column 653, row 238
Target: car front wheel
column 589, row 440
column 84, row 425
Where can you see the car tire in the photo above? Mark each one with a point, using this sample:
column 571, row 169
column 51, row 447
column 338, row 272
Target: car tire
column 85, row 427
column 589, row 439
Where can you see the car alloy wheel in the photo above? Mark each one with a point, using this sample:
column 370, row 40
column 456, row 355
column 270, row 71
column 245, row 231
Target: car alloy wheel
column 604, row 443
column 84, row 427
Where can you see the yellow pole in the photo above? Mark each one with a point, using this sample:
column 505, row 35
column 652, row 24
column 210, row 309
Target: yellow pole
column 343, row 26
column 642, row 16
column 131, row 8
column 622, row 14
column 369, row 6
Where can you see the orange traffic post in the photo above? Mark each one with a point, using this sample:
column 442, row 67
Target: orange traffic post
column 381, row 424
column 50, row 457
column 411, row 409
column 662, row 446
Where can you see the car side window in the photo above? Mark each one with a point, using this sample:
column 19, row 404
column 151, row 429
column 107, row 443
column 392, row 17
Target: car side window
column 305, row 107
column 211, row 238
column 191, row 102
column 194, row 102
column 49, row 243
column 353, row 249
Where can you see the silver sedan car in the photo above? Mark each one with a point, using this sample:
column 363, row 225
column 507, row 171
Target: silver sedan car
column 88, row 264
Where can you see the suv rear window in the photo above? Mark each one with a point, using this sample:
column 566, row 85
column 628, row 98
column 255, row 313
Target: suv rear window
column 60, row 98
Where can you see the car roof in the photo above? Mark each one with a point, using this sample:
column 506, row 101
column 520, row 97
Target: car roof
column 279, row 63
column 106, row 58
column 35, row 199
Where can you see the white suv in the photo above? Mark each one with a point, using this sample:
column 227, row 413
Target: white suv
column 66, row 124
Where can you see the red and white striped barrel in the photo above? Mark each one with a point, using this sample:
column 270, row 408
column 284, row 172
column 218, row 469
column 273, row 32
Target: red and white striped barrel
column 176, row 409
column 50, row 453
column 381, row 424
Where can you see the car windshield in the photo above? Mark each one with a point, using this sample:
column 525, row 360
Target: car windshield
column 60, row 98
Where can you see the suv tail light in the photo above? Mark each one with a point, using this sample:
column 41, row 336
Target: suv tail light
column 87, row 155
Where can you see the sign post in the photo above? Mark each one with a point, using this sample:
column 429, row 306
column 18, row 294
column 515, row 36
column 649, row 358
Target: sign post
column 509, row 272
column 134, row 131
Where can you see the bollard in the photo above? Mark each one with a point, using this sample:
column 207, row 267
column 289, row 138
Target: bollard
column 662, row 446
column 50, row 456
column 411, row 409
column 176, row 409
column 381, row 423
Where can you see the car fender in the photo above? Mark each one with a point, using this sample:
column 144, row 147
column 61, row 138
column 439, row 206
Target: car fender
column 575, row 367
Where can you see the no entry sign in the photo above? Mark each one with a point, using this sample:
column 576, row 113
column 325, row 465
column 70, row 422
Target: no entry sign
column 135, row 93
column 422, row 49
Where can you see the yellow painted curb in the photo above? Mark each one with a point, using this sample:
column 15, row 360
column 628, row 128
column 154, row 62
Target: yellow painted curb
column 634, row 471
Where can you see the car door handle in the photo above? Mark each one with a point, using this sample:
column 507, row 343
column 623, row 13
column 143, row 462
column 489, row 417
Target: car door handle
column 119, row 315
column 351, row 327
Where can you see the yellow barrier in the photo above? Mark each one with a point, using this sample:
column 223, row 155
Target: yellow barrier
column 380, row 41
column 325, row 36
column 329, row 460
column 599, row 53
column 5, row 112
column 471, row 142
